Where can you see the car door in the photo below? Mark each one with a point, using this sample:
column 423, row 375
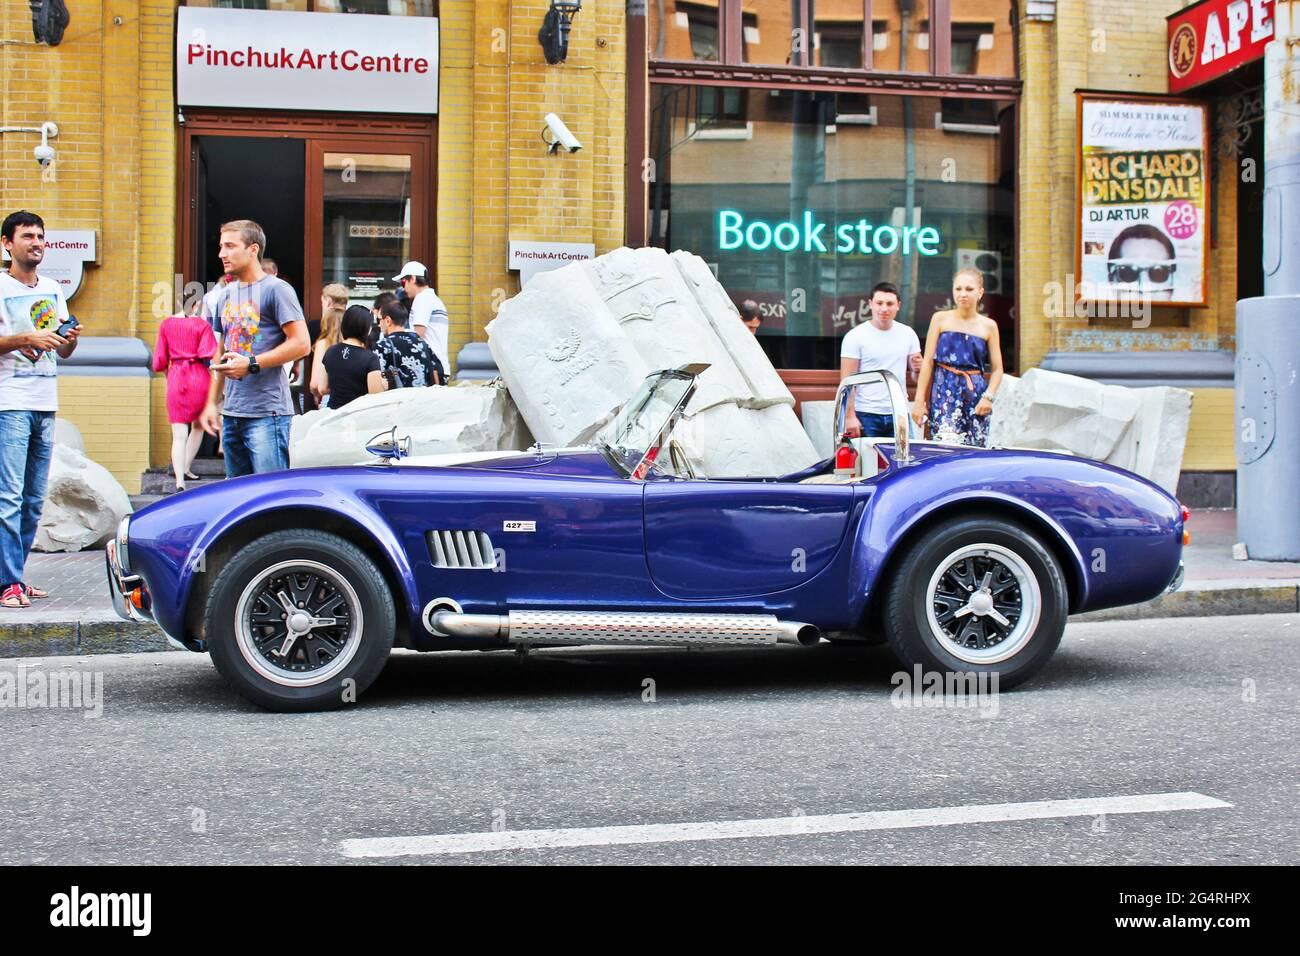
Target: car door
column 708, row 540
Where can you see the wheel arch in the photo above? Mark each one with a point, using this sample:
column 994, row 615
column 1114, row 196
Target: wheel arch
column 249, row 528
column 1053, row 538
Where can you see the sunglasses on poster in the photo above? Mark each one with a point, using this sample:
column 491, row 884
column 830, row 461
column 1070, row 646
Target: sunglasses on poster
column 1130, row 270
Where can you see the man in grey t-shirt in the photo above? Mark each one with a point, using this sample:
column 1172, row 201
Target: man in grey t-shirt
column 260, row 325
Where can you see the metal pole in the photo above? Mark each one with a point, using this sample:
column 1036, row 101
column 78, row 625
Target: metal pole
column 1268, row 327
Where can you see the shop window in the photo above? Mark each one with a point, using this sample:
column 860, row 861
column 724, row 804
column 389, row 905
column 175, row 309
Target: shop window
column 301, row 6
column 810, row 212
column 394, row 8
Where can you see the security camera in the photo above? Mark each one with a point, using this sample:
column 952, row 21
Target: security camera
column 560, row 135
column 44, row 154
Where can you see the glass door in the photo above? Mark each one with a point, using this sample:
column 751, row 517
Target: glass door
column 369, row 214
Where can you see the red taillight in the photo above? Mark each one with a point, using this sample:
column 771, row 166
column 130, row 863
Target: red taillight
column 1186, row 513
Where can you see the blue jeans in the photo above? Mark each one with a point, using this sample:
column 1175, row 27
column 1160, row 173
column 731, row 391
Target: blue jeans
column 26, row 447
column 882, row 426
column 255, row 445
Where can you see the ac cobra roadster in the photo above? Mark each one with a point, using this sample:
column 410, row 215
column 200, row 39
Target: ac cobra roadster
column 299, row 583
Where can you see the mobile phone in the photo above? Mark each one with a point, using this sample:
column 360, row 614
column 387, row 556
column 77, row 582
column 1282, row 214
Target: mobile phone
column 69, row 323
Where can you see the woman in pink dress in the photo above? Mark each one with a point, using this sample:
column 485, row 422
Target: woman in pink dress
column 186, row 345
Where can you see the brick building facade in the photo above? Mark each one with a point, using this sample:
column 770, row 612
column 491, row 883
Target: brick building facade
column 984, row 86
column 121, row 170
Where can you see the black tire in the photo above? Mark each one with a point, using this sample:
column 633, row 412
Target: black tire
column 314, row 673
column 1025, row 588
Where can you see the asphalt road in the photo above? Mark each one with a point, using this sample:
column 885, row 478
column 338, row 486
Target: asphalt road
column 177, row 769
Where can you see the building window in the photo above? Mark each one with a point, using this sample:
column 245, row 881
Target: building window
column 969, row 116
column 721, row 106
column 838, row 45
column 967, row 41
column 702, row 26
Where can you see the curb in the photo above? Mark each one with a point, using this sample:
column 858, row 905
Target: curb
column 91, row 635
column 96, row 635
column 1208, row 600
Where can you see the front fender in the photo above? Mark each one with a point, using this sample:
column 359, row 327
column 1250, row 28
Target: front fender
column 171, row 540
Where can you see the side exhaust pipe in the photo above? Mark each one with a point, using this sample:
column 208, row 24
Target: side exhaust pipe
column 620, row 627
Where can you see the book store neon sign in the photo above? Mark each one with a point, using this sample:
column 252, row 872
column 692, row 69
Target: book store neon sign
column 810, row 235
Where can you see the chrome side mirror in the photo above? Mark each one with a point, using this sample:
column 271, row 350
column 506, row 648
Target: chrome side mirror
column 388, row 448
column 897, row 406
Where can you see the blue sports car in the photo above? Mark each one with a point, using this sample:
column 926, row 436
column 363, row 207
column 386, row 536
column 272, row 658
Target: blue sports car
column 299, row 583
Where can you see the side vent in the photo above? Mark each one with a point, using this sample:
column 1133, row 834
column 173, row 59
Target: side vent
column 462, row 549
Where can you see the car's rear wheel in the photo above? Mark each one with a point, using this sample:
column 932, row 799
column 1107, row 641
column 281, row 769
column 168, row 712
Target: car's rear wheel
column 300, row 620
column 974, row 595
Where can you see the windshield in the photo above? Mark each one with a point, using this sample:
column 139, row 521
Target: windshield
column 633, row 438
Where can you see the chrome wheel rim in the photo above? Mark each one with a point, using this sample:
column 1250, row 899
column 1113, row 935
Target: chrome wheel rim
column 298, row 623
column 983, row 603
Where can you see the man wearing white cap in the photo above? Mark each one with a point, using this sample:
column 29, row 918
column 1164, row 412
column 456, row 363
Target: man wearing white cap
column 428, row 314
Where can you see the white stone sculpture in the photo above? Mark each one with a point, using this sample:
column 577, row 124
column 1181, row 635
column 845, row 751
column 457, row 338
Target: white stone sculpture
column 579, row 340
column 83, row 502
column 67, row 434
column 1141, row 429
column 470, row 417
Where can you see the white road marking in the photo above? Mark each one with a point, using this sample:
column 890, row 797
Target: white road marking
column 494, row 841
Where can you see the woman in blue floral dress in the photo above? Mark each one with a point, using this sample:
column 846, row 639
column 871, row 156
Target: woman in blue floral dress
column 961, row 369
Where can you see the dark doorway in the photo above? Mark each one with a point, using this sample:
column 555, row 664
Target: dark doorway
column 1250, row 213
column 251, row 177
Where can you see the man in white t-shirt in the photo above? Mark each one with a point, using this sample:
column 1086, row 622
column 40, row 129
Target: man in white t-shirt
column 428, row 315
column 31, row 311
column 881, row 343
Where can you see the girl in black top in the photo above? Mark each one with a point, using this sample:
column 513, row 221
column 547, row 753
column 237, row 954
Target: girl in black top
column 350, row 370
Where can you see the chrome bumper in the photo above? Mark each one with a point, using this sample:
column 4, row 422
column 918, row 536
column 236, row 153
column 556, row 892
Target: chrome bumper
column 1177, row 582
column 120, row 586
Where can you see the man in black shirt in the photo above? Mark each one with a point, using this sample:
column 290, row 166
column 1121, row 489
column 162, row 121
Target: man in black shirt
column 405, row 357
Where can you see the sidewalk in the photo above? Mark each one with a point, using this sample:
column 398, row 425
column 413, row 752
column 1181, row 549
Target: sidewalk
column 78, row 618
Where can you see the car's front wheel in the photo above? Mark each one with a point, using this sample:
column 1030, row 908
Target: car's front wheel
column 300, row 620
column 977, row 594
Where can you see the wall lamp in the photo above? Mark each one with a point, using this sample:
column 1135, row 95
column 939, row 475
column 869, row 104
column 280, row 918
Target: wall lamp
column 554, row 34
column 44, row 153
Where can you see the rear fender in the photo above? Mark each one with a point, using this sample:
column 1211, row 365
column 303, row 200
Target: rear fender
column 893, row 521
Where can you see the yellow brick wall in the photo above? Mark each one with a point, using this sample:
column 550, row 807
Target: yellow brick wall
column 108, row 86
column 107, row 410
column 1130, row 56
column 496, row 182
column 1120, row 46
column 1210, row 438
